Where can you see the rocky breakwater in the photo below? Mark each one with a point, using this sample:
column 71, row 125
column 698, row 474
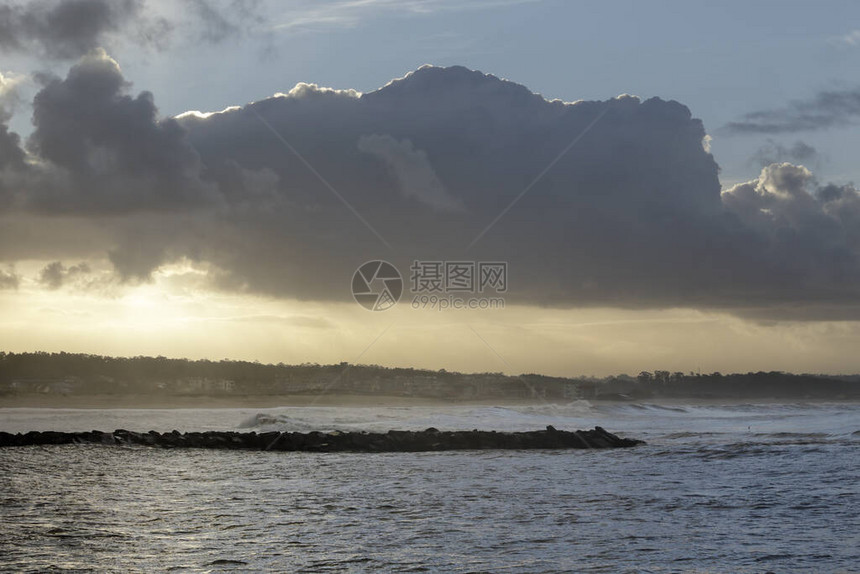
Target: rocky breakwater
column 392, row 441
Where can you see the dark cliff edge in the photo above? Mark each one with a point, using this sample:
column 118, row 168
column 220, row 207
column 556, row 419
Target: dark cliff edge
column 392, row 441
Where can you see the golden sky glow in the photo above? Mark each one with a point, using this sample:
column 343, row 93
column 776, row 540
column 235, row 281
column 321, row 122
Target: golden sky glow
column 176, row 316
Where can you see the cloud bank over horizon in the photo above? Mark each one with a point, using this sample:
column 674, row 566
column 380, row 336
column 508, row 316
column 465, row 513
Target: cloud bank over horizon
column 288, row 195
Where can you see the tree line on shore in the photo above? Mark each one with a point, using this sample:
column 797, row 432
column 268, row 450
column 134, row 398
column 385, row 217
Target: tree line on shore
column 69, row 373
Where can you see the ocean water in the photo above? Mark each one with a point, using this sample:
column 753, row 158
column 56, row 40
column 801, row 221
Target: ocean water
column 718, row 488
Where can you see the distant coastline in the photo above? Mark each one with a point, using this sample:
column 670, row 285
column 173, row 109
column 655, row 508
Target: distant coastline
column 151, row 401
column 131, row 401
column 67, row 380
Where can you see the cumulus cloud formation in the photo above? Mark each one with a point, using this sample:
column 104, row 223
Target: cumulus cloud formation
column 808, row 236
column 827, row 109
column 102, row 149
column 287, row 196
column 482, row 141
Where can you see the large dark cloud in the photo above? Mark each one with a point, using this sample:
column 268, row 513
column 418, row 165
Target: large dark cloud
column 289, row 195
column 429, row 161
column 827, row 109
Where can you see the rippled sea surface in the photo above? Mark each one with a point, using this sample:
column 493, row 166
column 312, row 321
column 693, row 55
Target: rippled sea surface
column 740, row 488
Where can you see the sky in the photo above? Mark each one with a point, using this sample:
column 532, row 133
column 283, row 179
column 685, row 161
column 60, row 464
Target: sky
column 664, row 185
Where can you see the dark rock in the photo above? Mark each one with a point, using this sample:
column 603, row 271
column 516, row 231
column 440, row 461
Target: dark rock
column 7, row 439
column 393, row 441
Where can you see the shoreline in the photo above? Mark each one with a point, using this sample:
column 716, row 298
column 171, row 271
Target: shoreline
column 39, row 401
column 162, row 402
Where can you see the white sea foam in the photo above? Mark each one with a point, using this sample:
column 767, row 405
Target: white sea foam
column 651, row 421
